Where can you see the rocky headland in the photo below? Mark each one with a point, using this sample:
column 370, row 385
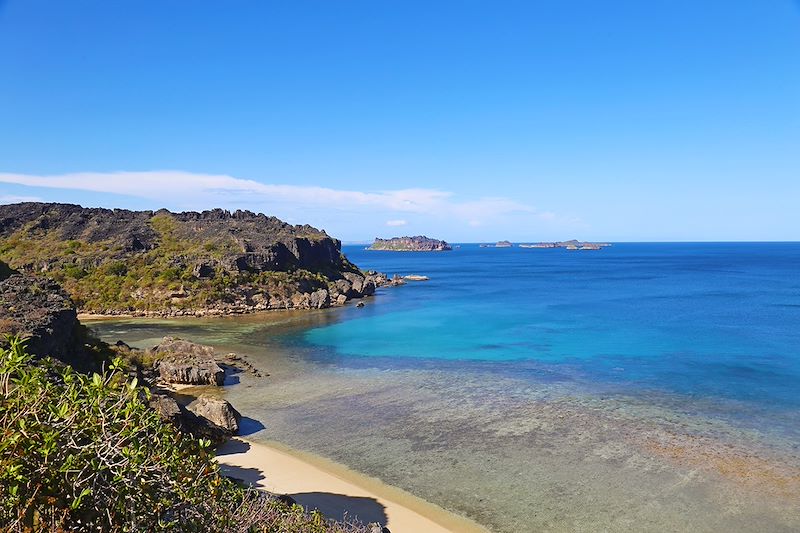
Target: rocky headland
column 159, row 263
column 420, row 243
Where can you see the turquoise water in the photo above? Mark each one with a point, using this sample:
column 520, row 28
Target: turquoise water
column 710, row 321
column 644, row 387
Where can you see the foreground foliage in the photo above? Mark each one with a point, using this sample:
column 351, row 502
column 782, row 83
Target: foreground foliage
column 87, row 453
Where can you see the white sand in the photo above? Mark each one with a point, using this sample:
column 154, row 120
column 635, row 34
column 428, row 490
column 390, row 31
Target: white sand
column 335, row 490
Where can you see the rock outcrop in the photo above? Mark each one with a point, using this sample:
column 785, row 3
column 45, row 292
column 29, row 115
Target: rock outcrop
column 185, row 362
column 175, row 264
column 420, row 243
column 39, row 311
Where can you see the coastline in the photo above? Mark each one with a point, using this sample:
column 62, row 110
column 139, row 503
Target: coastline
column 334, row 489
column 201, row 313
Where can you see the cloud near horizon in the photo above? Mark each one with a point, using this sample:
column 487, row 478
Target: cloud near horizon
column 188, row 190
column 14, row 199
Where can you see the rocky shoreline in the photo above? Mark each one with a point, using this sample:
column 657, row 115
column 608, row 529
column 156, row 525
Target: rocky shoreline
column 352, row 287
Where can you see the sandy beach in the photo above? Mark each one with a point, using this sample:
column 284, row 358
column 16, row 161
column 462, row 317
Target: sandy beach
column 317, row 483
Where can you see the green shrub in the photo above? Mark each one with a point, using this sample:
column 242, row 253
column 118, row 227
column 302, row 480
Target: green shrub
column 116, row 268
column 87, row 453
column 75, row 271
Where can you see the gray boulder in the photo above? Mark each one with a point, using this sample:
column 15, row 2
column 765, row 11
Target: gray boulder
column 356, row 282
column 320, row 299
column 219, row 412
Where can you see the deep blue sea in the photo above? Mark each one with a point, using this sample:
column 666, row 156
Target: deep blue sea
column 702, row 320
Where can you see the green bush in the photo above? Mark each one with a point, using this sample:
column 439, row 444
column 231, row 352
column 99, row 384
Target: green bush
column 87, row 453
column 116, row 268
column 75, row 271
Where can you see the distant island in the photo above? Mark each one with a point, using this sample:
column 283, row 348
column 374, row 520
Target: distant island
column 569, row 245
column 420, row 243
column 498, row 244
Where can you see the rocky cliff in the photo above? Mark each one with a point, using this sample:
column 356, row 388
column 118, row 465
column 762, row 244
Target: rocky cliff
column 39, row 311
column 162, row 263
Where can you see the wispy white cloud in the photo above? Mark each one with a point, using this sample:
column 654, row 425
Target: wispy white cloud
column 197, row 191
column 13, row 199
column 398, row 222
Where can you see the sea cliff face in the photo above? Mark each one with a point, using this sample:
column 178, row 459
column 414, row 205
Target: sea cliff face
column 419, row 243
column 162, row 263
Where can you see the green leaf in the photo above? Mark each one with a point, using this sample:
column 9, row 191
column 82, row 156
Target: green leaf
column 77, row 501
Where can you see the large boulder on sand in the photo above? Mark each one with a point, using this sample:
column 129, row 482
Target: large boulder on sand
column 218, row 411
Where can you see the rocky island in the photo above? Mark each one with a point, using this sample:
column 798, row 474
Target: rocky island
column 569, row 245
column 159, row 263
column 419, row 243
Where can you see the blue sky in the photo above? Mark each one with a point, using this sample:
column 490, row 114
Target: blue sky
column 467, row 120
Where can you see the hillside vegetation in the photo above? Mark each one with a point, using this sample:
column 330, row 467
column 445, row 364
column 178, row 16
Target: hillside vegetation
column 144, row 262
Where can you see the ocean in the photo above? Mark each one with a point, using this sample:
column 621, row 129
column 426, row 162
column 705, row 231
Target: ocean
column 641, row 387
